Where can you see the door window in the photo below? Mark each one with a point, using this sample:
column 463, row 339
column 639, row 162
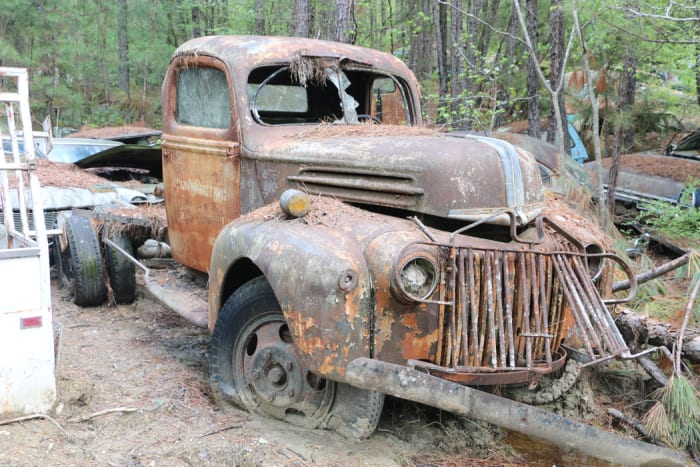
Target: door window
column 203, row 98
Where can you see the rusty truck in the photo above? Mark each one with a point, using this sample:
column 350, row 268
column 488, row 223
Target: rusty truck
column 353, row 252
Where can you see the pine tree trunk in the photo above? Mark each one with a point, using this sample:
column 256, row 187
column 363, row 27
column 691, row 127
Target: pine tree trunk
column 533, row 102
column 301, row 18
column 440, row 18
column 344, row 31
column 628, row 83
column 556, row 23
column 260, row 28
column 122, row 17
column 456, row 31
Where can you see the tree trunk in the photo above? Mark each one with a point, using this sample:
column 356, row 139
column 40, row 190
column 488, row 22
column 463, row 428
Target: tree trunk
column 456, row 68
column 440, row 18
column 123, row 48
column 470, row 66
column 697, row 54
column 301, row 18
column 556, row 22
column 533, row 98
column 344, row 30
column 628, row 83
column 260, row 28
column 196, row 22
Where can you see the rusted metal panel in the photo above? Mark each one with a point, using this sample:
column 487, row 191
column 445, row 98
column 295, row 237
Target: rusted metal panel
column 202, row 180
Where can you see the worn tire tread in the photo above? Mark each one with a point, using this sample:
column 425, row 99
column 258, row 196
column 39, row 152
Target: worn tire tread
column 121, row 271
column 85, row 262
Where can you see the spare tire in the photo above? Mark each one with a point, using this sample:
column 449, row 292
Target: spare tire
column 84, row 262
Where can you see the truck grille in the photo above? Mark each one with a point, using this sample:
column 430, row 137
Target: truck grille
column 49, row 219
column 503, row 311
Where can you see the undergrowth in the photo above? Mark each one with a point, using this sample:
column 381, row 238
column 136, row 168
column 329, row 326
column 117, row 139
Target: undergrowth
column 680, row 220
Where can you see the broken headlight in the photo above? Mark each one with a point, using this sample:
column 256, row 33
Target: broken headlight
column 415, row 278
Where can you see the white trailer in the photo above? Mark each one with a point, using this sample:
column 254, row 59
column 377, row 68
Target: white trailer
column 27, row 379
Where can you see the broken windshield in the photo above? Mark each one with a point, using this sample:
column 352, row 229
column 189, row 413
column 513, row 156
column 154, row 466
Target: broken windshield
column 317, row 90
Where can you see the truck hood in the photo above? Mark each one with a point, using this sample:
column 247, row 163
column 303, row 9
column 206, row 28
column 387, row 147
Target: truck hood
column 467, row 178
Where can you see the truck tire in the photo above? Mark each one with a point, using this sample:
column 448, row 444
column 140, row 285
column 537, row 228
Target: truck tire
column 121, row 271
column 254, row 365
column 84, row 262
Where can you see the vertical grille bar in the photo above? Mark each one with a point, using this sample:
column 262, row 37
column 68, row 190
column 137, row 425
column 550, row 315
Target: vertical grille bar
column 547, row 344
column 510, row 292
column 502, row 344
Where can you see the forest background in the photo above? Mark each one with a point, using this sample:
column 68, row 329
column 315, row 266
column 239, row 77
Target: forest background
column 481, row 63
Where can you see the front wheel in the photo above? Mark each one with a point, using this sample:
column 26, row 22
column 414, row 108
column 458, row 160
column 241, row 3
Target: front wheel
column 255, row 365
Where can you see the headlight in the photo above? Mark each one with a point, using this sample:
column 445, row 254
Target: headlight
column 415, row 278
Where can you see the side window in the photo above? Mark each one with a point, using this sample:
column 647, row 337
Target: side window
column 202, row 98
column 388, row 105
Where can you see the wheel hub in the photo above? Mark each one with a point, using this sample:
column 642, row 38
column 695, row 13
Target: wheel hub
column 274, row 375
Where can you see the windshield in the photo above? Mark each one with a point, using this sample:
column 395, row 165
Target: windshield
column 313, row 91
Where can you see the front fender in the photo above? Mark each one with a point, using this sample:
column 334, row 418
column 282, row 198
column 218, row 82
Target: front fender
column 320, row 279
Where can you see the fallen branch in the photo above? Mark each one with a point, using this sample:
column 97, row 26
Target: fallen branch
column 104, row 412
column 653, row 370
column 34, row 416
column 634, row 424
column 653, row 273
column 226, row 428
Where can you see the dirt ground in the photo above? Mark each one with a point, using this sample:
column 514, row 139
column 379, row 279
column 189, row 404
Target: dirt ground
column 133, row 390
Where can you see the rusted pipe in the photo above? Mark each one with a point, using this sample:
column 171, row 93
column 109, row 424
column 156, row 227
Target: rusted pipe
column 653, row 273
column 416, row 386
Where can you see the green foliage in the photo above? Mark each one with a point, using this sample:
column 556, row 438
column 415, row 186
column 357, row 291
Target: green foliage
column 71, row 50
column 674, row 220
column 675, row 418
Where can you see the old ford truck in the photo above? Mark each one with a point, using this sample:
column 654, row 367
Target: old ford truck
column 442, row 256
column 403, row 261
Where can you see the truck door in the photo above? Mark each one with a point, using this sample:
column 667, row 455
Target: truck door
column 201, row 163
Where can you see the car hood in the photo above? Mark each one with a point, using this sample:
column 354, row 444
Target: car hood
column 463, row 177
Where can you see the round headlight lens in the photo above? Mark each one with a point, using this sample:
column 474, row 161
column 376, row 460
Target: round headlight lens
column 417, row 278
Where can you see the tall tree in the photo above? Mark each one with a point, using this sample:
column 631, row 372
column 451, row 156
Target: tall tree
column 440, row 19
column 628, row 86
column 260, row 17
column 123, row 38
column 301, row 17
column 343, row 29
column 533, row 93
column 456, row 60
column 196, row 21
column 556, row 55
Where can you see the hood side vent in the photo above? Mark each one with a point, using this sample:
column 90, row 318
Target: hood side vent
column 360, row 185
